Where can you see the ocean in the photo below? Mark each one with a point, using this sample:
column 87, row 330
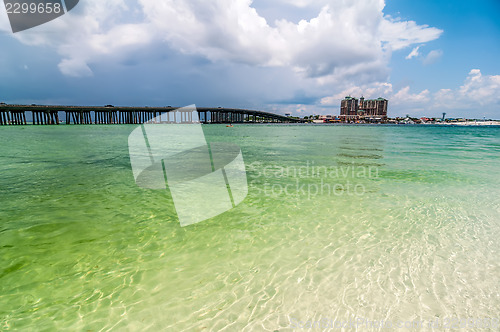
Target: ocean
column 344, row 227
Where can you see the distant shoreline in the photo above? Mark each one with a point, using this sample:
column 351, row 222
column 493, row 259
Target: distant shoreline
column 470, row 123
column 440, row 124
column 109, row 114
column 452, row 124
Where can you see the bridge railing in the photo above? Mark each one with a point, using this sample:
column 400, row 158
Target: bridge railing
column 50, row 115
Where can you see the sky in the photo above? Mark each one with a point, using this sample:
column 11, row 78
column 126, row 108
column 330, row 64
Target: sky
column 285, row 56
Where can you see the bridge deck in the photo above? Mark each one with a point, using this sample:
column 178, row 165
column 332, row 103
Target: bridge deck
column 50, row 115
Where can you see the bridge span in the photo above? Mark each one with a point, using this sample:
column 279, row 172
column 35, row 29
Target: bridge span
column 54, row 115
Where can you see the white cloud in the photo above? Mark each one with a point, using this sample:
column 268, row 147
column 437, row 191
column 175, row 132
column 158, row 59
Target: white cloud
column 479, row 96
column 477, row 90
column 341, row 44
column 432, row 57
column 344, row 40
column 74, row 67
column 302, row 3
column 4, row 21
column 413, row 53
column 481, row 89
column 90, row 34
column 401, row 34
column 404, row 96
column 373, row 90
column 295, row 109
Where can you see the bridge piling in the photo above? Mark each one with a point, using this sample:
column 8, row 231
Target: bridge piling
column 49, row 115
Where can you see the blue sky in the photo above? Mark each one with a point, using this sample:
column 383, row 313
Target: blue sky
column 298, row 56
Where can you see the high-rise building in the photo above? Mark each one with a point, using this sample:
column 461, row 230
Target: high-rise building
column 349, row 108
column 369, row 109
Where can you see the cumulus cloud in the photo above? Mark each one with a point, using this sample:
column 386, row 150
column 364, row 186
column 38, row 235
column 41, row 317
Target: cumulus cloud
column 74, row 67
column 4, row 22
column 413, row 53
column 481, row 89
column 296, row 109
column 432, row 57
column 301, row 3
column 401, row 34
column 373, row 90
column 479, row 94
column 404, row 96
column 94, row 31
column 477, row 89
column 344, row 39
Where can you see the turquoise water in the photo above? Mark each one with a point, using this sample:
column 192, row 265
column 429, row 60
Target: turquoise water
column 341, row 223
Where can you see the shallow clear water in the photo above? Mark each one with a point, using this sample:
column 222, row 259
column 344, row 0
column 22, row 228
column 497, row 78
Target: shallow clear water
column 341, row 223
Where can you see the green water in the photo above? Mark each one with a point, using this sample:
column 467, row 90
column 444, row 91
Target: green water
column 340, row 223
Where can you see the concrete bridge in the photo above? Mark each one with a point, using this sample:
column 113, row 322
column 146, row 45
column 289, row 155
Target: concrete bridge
column 54, row 115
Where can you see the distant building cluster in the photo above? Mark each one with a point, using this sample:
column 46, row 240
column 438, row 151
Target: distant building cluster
column 352, row 109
